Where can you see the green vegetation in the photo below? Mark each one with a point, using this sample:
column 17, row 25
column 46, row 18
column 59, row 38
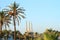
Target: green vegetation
column 47, row 35
column 50, row 35
column 15, row 13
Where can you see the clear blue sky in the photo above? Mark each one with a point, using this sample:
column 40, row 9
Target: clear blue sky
column 42, row 13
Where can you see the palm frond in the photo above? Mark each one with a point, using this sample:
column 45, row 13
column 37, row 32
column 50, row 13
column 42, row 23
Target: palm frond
column 21, row 12
column 21, row 9
column 22, row 16
column 19, row 18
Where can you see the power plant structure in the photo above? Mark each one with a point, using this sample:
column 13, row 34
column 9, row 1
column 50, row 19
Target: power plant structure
column 29, row 27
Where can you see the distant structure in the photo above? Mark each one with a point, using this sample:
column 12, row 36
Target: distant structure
column 29, row 27
column 29, row 30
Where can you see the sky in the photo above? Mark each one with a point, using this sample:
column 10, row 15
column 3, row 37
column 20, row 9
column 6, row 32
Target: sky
column 42, row 13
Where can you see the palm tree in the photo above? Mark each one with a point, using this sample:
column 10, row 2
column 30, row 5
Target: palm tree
column 1, row 23
column 16, row 13
column 4, row 19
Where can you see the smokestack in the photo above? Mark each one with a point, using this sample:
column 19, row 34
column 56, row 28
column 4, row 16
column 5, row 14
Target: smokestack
column 26, row 27
column 31, row 27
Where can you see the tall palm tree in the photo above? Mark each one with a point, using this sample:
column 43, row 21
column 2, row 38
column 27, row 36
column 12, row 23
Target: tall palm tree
column 1, row 22
column 4, row 19
column 16, row 13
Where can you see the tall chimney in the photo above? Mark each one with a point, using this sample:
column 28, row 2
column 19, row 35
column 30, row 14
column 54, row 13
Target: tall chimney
column 26, row 27
column 31, row 27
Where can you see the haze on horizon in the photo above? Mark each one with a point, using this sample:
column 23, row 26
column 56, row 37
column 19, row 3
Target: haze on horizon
column 42, row 13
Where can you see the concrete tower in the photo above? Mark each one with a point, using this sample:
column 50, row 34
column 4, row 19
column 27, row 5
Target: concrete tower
column 29, row 27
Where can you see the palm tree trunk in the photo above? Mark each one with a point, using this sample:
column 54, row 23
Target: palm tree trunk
column 0, row 28
column 14, row 28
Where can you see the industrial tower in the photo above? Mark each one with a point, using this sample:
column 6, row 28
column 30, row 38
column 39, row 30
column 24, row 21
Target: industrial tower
column 29, row 27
